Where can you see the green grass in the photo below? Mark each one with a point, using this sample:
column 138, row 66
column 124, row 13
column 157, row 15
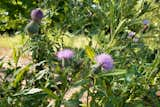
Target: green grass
column 75, row 41
column 10, row 42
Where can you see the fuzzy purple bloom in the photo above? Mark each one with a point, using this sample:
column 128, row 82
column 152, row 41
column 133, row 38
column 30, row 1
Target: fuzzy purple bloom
column 65, row 54
column 145, row 22
column 36, row 14
column 105, row 61
column 131, row 34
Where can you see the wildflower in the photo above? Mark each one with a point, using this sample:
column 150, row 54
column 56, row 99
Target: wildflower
column 105, row 61
column 145, row 22
column 65, row 54
column 131, row 34
column 37, row 15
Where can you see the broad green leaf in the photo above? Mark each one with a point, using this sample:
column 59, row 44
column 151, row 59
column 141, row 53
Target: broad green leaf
column 90, row 53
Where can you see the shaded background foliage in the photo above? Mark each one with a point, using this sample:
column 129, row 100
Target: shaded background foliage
column 79, row 16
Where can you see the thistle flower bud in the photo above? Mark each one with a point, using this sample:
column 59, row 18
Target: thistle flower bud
column 32, row 28
column 37, row 15
column 145, row 22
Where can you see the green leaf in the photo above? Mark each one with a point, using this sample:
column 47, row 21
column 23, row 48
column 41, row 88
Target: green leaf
column 119, row 26
column 115, row 73
column 16, row 55
column 20, row 74
column 33, row 91
column 37, row 90
column 28, row 91
column 80, row 82
column 41, row 73
column 90, row 53
column 71, row 103
column 50, row 93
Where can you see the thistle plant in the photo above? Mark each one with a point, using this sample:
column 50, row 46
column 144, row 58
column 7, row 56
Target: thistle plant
column 128, row 76
column 32, row 28
column 40, row 44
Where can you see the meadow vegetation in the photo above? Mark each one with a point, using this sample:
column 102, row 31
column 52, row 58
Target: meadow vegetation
column 80, row 53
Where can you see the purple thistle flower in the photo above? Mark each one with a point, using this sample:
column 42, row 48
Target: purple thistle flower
column 131, row 34
column 145, row 22
column 105, row 61
column 36, row 14
column 65, row 54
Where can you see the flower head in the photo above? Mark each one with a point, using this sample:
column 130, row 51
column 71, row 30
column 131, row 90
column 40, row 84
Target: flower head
column 36, row 14
column 65, row 54
column 105, row 61
column 131, row 34
column 145, row 22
